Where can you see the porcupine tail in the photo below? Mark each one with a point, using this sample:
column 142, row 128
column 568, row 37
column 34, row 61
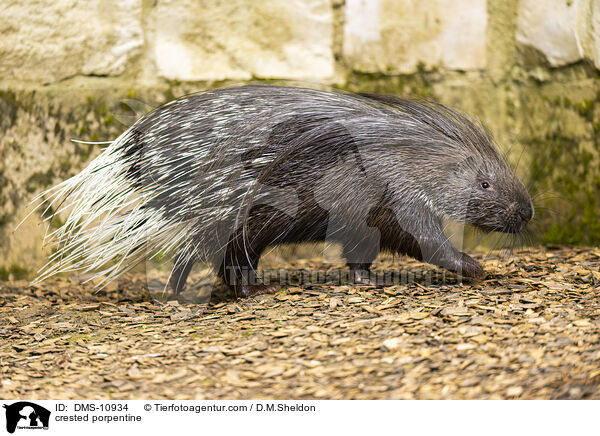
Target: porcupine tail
column 109, row 229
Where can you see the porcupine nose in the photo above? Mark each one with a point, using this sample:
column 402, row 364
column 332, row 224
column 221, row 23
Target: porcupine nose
column 526, row 212
column 519, row 213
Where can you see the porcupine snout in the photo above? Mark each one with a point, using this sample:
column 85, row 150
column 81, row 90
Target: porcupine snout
column 518, row 214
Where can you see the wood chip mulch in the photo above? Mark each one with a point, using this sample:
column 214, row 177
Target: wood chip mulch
column 529, row 330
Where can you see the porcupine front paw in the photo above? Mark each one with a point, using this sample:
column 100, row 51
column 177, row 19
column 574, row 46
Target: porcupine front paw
column 469, row 267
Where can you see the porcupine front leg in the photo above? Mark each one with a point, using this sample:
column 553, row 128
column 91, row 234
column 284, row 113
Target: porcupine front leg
column 438, row 250
column 392, row 239
column 427, row 242
column 359, row 258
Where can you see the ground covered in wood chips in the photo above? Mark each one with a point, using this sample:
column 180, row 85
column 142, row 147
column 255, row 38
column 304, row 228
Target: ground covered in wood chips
column 529, row 330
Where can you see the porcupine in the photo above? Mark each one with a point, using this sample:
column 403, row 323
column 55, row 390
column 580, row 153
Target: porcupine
column 218, row 176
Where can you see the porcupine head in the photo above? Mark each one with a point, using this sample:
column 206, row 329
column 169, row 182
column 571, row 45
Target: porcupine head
column 480, row 188
column 462, row 174
column 442, row 166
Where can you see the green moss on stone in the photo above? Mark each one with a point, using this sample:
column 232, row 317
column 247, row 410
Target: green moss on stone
column 15, row 272
column 570, row 173
column 418, row 85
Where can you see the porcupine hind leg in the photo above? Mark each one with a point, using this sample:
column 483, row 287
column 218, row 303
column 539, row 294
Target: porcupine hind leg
column 265, row 226
column 238, row 269
column 181, row 271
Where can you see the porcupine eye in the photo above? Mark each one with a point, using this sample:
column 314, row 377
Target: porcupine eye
column 485, row 185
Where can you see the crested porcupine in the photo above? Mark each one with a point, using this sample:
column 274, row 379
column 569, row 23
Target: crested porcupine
column 218, row 176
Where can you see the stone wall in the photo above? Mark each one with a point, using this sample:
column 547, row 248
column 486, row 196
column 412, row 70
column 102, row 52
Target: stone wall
column 85, row 69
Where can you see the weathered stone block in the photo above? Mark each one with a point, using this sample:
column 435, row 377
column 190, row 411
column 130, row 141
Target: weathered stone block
column 563, row 31
column 396, row 36
column 238, row 39
column 47, row 41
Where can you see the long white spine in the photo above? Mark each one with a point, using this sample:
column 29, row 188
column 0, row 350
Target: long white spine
column 102, row 228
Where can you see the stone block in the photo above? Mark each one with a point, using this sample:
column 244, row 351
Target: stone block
column 397, row 36
column 563, row 31
column 43, row 42
column 238, row 39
